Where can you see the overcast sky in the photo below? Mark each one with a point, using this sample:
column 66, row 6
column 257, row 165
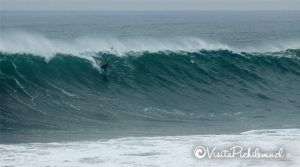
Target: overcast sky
column 136, row 5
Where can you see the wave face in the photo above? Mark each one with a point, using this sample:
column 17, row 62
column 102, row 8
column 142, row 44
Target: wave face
column 214, row 90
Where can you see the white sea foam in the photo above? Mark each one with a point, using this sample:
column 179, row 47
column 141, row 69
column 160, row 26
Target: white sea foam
column 21, row 42
column 274, row 46
column 154, row 151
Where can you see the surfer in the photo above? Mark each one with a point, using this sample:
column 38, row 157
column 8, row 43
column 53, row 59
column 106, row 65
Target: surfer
column 105, row 66
column 103, row 71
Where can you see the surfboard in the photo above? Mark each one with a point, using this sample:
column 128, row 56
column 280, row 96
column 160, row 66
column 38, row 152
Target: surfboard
column 101, row 70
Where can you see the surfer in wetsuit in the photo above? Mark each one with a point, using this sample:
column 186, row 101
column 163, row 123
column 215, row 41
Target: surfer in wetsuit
column 103, row 71
column 105, row 66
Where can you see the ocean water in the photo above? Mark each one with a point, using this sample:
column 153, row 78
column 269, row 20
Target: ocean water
column 176, row 80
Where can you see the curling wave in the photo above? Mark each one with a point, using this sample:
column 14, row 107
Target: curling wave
column 146, row 89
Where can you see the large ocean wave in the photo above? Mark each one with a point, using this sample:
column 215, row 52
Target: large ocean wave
column 215, row 88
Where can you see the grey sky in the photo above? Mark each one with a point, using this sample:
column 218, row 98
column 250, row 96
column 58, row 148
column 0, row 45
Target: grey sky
column 104, row 5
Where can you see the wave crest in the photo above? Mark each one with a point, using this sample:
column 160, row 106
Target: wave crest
column 20, row 42
column 38, row 44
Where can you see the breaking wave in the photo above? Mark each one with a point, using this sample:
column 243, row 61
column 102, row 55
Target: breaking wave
column 50, row 84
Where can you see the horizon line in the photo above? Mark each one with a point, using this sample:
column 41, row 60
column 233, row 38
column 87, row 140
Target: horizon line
column 267, row 10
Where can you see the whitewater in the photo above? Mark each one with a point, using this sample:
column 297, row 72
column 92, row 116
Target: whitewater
column 153, row 151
